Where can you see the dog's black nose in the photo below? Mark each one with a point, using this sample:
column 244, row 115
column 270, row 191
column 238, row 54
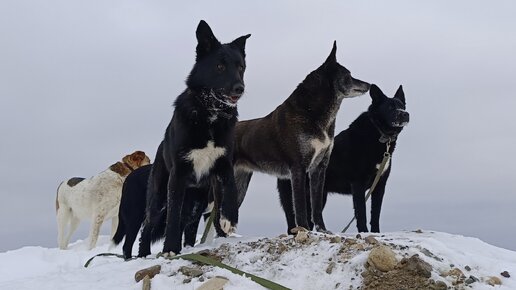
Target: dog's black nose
column 405, row 116
column 238, row 89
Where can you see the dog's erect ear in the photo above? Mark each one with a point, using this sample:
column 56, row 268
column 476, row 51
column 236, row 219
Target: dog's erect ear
column 332, row 58
column 400, row 95
column 239, row 43
column 375, row 93
column 206, row 41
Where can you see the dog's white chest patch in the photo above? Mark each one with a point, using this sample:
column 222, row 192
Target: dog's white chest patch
column 319, row 145
column 203, row 159
column 386, row 166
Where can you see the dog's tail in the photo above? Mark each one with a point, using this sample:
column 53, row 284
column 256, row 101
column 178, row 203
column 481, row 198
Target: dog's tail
column 120, row 231
column 57, row 197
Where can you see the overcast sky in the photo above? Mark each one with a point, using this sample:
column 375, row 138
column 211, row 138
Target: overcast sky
column 83, row 83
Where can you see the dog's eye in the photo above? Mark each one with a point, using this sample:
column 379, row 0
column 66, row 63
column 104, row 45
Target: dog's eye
column 240, row 68
column 221, row 67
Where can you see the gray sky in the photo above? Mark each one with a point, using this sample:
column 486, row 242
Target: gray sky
column 83, row 83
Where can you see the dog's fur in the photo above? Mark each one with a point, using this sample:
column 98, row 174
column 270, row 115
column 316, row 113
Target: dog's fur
column 198, row 146
column 96, row 199
column 297, row 137
column 356, row 157
column 132, row 210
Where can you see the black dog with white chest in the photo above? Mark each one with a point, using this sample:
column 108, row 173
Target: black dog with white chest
column 356, row 157
column 197, row 149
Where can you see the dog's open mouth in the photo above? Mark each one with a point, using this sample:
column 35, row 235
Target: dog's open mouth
column 233, row 99
column 399, row 124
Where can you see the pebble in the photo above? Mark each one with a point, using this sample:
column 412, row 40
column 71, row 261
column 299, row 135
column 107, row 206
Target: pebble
column 505, row 274
column 493, row 281
column 468, row 268
column 472, row 279
column 371, row 240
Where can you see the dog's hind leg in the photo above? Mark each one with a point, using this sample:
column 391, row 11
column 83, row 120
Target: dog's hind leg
column 156, row 198
column 359, row 204
column 242, row 179
column 63, row 216
column 74, row 223
column 114, row 225
column 376, row 203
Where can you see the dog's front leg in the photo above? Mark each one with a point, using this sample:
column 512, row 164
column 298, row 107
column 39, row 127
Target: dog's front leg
column 376, row 203
column 359, row 204
column 317, row 177
column 298, row 180
column 285, row 193
column 226, row 195
column 175, row 198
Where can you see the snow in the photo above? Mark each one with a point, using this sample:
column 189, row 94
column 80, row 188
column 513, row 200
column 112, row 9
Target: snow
column 281, row 259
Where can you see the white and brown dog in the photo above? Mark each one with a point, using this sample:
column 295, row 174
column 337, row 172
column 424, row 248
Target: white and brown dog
column 96, row 199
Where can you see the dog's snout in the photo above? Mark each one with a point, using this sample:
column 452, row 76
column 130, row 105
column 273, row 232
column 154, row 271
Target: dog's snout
column 404, row 116
column 238, row 89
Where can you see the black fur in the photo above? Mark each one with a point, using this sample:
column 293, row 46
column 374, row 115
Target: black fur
column 205, row 113
column 132, row 210
column 280, row 143
column 356, row 153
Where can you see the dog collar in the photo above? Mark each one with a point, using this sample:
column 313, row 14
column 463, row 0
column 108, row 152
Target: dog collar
column 127, row 165
column 384, row 137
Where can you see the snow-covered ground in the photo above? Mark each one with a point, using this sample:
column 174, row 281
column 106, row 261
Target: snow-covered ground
column 294, row 264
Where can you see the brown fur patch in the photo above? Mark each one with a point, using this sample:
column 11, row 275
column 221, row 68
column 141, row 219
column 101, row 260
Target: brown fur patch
column 120, row 168
column 136, row 160
column 74, row 181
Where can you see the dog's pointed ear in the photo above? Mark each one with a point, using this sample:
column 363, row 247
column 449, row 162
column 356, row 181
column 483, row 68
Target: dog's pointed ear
column 332, row 58
column 400, row 95
column 239, row 43
column 206, row 41
column 375, row 93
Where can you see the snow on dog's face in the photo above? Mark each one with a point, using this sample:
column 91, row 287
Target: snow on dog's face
column 219, row 69
column 389, row 113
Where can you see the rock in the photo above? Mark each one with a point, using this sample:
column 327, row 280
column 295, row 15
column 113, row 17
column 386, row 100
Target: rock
column 191, row 272
column 215, row 283
column 301, row 237
column 505, row 274
column 418, row 231
column 329, row 270
column 471, row 279
column 298, row 229
column 455, row 273
column 335, row 239
column 493, row 280
column 282, row 236
column 467, row 268
column 371, row 240
column 417, row 266
column 150, row 272
column 382, row 258
column 358, row 236
column 440, row 285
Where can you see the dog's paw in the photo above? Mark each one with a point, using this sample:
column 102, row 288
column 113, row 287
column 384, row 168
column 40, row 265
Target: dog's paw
column 322, row 230
column 167, row 255
column 226, row 225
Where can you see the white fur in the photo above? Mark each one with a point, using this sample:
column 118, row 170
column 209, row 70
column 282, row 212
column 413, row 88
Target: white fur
column 203, row 159
column 96, row 199
column 319, row 146
column 386, row 166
